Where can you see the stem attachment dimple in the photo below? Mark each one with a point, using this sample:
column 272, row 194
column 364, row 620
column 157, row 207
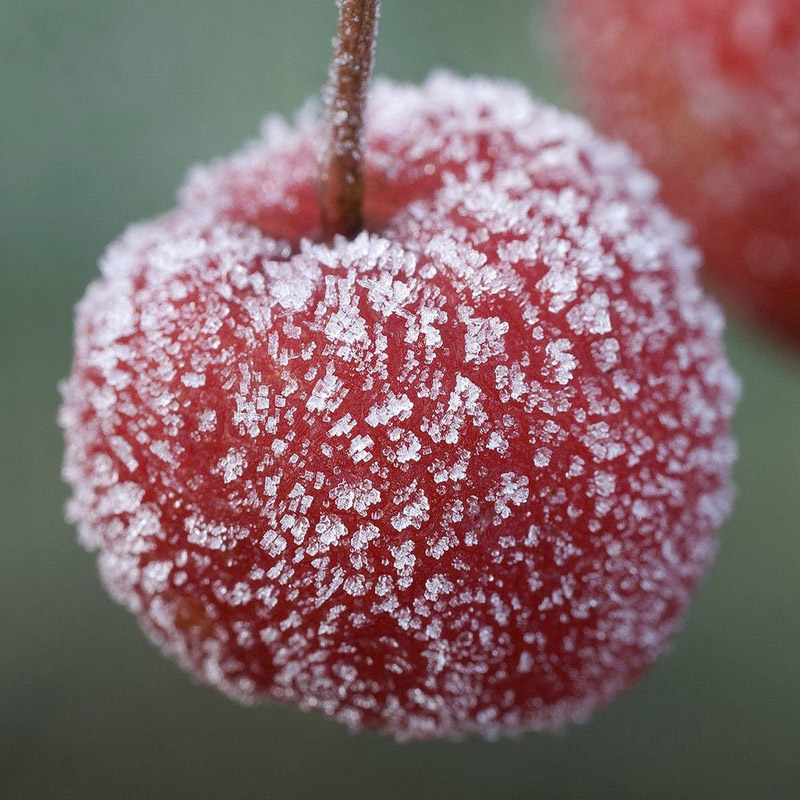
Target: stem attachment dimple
column 341, row 187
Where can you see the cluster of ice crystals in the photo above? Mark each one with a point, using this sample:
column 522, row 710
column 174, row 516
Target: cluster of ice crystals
column 458, row 475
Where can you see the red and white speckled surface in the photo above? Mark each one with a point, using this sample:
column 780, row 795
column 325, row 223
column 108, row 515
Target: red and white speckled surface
column 458, row 475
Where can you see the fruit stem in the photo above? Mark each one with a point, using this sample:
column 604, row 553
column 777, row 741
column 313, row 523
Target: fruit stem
column 345, row 96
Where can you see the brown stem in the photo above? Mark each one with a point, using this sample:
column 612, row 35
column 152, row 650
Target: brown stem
column 345, row 96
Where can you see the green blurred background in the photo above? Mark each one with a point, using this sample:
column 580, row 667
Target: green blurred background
column 103, row 105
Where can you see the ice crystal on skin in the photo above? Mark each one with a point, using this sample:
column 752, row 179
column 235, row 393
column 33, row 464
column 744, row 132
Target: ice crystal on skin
column 458, row 475
column 708, row 92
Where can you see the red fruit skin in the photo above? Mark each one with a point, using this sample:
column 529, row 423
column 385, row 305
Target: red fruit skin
column 708, row 92
column 460, row 475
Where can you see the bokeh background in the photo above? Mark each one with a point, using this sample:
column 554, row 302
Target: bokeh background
column 103, row 106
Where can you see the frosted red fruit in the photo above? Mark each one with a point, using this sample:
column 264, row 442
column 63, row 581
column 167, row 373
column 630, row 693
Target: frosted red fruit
column 458, row 475
column 709, row 92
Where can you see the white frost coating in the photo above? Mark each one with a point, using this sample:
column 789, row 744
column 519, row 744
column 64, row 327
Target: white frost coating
column 397, row 473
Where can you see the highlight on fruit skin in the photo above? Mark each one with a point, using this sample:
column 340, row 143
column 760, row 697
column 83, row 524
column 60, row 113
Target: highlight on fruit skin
column 707, row 91
column 458, row 475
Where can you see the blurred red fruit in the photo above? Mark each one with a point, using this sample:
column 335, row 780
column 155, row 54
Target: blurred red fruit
column 708, row 91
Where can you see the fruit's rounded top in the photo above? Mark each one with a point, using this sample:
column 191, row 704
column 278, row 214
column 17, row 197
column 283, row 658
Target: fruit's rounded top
column 459, row 474
column 418, row 138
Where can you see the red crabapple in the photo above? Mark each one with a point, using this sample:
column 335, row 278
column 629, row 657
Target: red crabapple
column 709, row 92
column 459, row 474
